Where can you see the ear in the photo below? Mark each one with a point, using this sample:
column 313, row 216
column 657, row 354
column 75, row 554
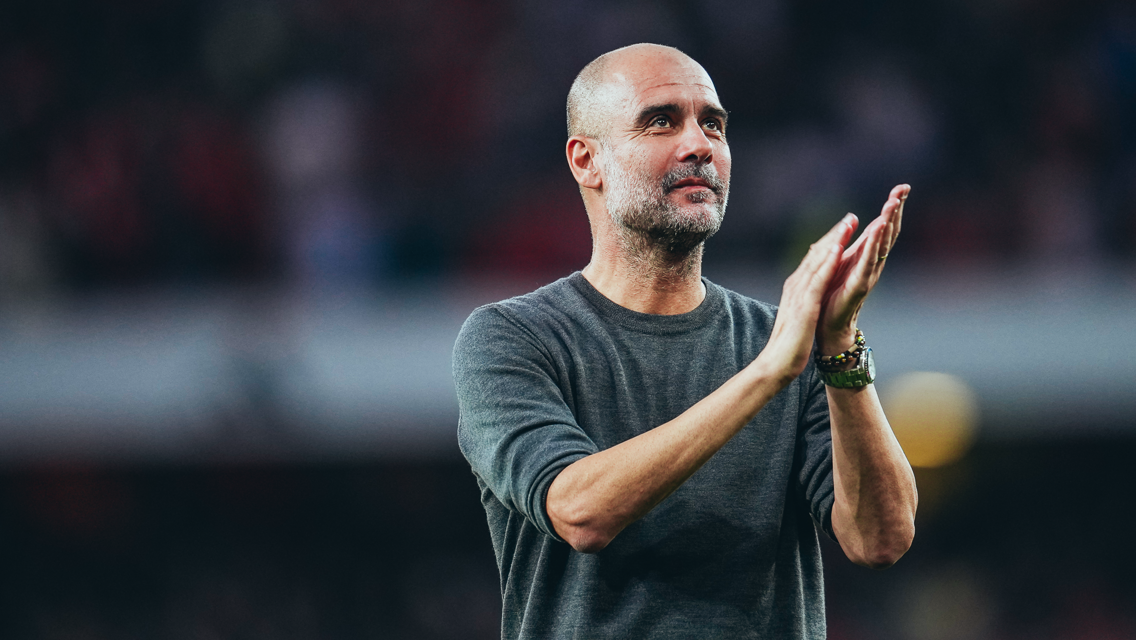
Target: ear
column 581, row 152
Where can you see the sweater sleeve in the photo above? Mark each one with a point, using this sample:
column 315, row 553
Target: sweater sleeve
column 814, row 450
column 514, row 428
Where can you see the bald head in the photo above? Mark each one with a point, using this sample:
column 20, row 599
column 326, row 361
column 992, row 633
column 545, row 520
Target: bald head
column 603, row 84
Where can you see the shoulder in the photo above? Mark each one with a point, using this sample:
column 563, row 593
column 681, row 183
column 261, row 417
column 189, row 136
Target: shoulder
column 532, row 316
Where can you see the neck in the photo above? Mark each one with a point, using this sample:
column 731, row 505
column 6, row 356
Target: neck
column 645, row 276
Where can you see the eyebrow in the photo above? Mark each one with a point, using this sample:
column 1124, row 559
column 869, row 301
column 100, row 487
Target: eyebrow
column 716, row 111
column 671, row 108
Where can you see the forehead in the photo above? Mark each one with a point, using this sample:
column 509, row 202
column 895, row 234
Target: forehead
column 663, row 80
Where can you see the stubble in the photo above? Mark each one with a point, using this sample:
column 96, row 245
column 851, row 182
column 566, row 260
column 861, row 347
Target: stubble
column 660, row 236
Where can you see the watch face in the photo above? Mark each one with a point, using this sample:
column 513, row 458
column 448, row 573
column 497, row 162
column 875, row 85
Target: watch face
column 871, row 364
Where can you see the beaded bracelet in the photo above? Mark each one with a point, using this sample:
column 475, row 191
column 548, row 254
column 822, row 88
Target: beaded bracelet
column 837, row 362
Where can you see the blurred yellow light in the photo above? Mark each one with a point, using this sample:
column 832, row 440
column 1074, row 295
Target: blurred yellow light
column 933, row 415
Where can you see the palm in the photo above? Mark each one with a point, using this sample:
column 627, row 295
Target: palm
column 857, row 273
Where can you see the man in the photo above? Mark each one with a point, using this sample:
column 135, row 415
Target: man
column 655, row 452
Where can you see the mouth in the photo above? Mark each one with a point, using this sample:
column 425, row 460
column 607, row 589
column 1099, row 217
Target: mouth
column 692, row 186
column 691, row 183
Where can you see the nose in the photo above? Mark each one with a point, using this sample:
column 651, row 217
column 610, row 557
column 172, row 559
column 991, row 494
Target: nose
column 694, row 146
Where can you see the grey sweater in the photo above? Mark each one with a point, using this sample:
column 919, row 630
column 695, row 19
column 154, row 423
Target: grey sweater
column 547, row 378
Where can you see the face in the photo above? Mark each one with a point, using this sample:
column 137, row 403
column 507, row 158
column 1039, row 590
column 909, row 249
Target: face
column 666, row 164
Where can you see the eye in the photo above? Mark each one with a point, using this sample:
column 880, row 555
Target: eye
column 713, row 125
column 660, row 121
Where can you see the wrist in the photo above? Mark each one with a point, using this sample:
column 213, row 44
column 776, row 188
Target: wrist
column 846, row 360
column 835, row 342
column 846, row 365
column 851, row 368
column 778, row 371
column 831, row 343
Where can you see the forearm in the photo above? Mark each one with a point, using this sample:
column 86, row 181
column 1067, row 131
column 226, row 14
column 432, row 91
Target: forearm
column 873, row 515
column 596, row 497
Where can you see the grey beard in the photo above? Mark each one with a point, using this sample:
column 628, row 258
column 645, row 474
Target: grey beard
column 661, row 226
column 656, row 230
column 651, row 257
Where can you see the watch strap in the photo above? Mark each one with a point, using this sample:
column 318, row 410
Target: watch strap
column 862, row 375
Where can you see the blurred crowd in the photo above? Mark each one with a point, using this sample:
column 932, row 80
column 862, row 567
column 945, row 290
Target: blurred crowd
column 188, row 142
column 1013, row 543
column 371, row 143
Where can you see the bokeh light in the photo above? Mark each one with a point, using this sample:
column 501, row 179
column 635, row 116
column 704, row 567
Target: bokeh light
column 934, row 416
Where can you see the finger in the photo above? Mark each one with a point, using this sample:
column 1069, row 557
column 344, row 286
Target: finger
column 818, row 284
column 898, row 193
column 801, row 297
column 891, row 236
column 875, row 256
column 836, row 236
column 899, row 217
column 892, row 213
column 856, row 246
column 860, row 279
column 866, row 258
column 843, row 230
column 887, row 233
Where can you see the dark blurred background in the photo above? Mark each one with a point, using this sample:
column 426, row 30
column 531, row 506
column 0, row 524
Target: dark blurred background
column 237, row 240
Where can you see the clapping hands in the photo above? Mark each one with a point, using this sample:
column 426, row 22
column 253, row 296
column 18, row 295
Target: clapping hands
column 822, row 299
